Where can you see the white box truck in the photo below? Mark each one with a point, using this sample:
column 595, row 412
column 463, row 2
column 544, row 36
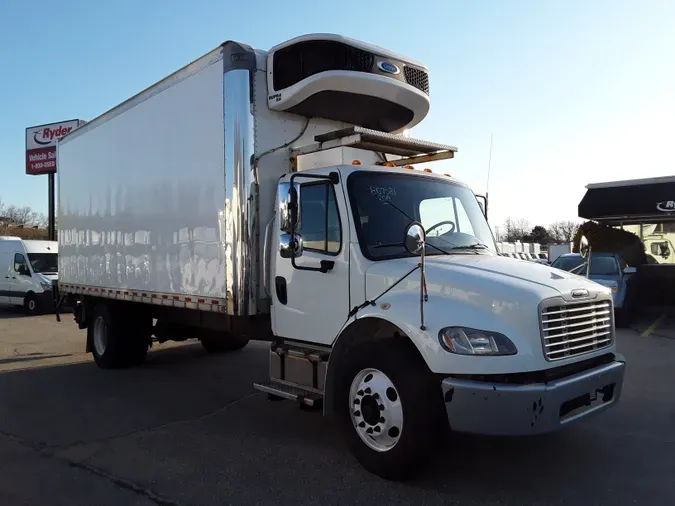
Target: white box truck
column 272, row 195
column 27, row 270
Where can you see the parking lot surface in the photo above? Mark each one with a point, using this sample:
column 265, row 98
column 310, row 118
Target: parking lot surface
column 188, row 428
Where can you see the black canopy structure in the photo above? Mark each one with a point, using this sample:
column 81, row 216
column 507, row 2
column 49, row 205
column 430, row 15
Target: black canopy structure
column 630, row 202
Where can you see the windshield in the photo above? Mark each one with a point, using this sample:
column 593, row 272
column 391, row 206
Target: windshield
column 44, row 263
column 383, row 204
column 600, row 266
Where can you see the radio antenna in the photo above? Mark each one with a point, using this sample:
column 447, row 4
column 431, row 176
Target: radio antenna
column 487, row 184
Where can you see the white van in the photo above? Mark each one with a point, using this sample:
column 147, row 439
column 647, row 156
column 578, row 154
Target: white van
column 27, row 269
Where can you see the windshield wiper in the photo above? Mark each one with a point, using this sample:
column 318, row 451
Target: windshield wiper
column 474, row 247
column 401, row 245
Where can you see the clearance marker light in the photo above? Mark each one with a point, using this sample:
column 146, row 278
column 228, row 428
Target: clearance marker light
column 356, row 162
column 428, row 170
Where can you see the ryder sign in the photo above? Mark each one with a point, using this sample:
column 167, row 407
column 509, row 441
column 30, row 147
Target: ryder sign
column 41, row 145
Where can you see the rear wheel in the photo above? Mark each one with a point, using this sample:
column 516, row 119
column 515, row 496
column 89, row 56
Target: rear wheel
column 221, row 342
column 390, row 409
column 117, row 340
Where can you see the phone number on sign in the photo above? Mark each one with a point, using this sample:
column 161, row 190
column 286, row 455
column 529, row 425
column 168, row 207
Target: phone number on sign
column 43, row 165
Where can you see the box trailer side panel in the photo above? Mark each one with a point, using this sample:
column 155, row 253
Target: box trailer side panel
column 142, row 194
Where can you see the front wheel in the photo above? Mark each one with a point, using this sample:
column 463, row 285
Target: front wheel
column 390, row 408
column 30, row 304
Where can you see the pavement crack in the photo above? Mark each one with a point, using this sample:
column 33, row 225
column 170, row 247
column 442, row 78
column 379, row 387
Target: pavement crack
column 37, row 446
column 125, row 484
column 152, row 428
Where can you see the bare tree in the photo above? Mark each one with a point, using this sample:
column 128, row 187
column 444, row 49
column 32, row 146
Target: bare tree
column 515, row 230
column 21, row 215
column 563, row 231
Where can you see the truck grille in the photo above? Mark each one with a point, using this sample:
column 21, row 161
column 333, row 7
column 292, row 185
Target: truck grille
column 577, row 328
column 417, row 78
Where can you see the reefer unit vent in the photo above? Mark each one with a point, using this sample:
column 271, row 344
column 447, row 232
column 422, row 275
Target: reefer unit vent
column 337, row 78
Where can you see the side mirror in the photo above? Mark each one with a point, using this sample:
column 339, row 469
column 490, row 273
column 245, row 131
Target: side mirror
column 289, row 207
column 584, row 247
column 290, row 245
column 414, row 239
column 630, row 270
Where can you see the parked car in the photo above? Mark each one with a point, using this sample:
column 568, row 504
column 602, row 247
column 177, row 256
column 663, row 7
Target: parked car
column 27, row 269
column 607, row 269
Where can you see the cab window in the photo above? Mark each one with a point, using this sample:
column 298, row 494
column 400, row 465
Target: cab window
column 319, row 219
column 20, row 264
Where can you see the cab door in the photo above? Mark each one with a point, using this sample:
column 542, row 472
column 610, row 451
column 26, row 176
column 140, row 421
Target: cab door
column 20, row 278
column 310, row 300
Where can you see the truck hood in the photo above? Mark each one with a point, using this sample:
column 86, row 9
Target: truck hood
column 447, row 270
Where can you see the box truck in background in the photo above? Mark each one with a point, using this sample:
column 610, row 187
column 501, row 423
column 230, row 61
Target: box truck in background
column 271, row 195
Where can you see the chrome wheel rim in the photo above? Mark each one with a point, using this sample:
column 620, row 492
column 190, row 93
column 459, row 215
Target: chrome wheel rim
column 31, row 305
column 100, row 336
column 376, row 409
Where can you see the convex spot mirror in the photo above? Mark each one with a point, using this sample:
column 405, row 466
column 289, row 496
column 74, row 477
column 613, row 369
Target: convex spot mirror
column 414, row 239
column 584, row 247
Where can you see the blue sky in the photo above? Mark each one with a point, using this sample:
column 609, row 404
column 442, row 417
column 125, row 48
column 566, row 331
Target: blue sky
column 573, row 92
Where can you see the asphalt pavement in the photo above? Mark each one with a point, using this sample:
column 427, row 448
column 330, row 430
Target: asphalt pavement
column 188, row 428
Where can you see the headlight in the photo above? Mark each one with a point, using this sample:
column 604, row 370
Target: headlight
column 46, row 285
column 466, row 341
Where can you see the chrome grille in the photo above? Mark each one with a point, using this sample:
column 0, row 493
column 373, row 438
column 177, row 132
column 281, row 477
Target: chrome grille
column 577, row 328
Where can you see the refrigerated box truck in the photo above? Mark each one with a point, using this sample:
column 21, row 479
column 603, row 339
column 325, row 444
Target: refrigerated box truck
column 276, row 195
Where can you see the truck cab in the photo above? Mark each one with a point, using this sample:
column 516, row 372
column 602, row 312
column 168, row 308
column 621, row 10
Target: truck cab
column 391, row 305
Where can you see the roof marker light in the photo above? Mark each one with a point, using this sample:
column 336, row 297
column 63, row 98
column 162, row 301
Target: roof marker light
column 356, row 162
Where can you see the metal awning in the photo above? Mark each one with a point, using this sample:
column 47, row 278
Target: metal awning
column 630, row 202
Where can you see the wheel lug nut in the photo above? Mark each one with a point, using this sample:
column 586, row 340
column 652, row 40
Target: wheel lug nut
column 362, row 424
column 369, row 430
column 368, row 390
column 360, row 392
column 376, row 395
column 357, row 413
column 357, row 401
column 377, row 428
column 381, row 407
column 381, row 419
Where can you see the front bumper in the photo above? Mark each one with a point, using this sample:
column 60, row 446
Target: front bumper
column 510, row 410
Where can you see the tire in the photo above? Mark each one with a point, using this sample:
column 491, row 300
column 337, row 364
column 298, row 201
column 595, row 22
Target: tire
column 31, row 305
column 221, row 342
column 117, row 341
column 412, row 418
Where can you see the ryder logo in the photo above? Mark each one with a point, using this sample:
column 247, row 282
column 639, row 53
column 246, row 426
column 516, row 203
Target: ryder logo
column 46, row 136
column 667, row 206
